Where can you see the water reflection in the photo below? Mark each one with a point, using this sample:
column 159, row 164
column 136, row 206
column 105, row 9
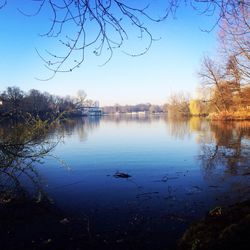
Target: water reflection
column 223, row 154
column 229, row 148
column 166, row 158
column 80, row 126
column 224, row 148
column 22, row 146
column 128, row 118
column 179, row 128
column 223, row 145
column 226, row 160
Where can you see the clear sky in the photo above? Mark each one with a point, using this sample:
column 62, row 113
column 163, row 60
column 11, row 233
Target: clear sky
column 170, row 65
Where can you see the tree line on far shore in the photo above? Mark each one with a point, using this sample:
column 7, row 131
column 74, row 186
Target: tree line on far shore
column 14, row 103
column 223, row 102
column 142, row 107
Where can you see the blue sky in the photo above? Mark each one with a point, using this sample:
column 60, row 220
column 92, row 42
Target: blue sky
column 170, row 65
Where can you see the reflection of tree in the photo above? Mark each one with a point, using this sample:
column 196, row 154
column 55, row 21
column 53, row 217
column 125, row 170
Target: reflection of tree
column 22, row 145
column 198, row 124
column 179, row 127
column 143, row 118
column 229, row 150
column 82, row 126
column 28, row 219
column 223, row 145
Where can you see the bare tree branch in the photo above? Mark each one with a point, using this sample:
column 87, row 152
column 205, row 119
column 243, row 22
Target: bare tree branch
column 102, row 26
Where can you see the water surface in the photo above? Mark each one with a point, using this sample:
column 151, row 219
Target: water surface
column 180, row 169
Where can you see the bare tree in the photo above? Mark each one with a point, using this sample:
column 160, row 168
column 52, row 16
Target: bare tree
column 229, row 78
column 235, row 46
column 12, row 98
column 178, row 105
column 80, row 98
column 212, row 76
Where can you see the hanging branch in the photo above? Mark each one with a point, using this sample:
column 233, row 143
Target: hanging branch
column 103, row 25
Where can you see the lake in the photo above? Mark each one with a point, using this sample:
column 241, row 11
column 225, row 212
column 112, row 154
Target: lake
column 177, row 171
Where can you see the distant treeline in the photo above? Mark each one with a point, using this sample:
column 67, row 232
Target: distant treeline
column 14, row 103
column 147, row 107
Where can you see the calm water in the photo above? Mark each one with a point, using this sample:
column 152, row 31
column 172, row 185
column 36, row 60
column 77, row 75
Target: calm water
column 179, row 171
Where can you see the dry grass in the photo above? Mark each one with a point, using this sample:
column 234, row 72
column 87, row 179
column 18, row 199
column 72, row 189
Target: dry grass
column 231, row 115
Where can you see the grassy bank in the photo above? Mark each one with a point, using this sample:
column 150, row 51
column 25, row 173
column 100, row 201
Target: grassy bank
column 239, row 115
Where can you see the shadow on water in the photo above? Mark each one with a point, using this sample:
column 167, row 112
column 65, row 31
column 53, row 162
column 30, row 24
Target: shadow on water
column 149, row 210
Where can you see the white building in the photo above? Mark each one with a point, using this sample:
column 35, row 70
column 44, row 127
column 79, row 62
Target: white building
column 91, row 111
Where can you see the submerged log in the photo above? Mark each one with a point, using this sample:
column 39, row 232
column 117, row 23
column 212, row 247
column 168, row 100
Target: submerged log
column 121, row 175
